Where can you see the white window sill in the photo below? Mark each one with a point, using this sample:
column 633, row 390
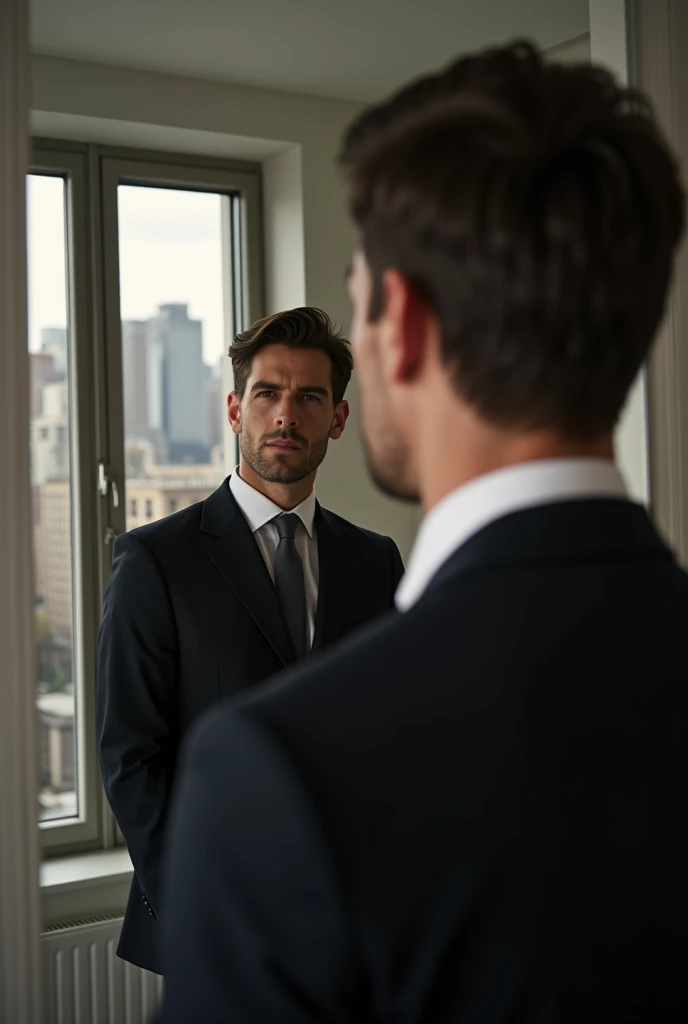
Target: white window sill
column 85, row 885
column 65, row 874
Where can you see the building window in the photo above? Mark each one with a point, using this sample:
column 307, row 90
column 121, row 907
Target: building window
column 159, row 416
column 52, row 497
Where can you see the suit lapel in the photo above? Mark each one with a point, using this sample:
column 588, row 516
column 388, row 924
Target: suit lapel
column 335, row 585
column 238, row 559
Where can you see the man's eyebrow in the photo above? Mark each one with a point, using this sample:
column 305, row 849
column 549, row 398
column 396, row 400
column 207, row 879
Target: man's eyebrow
column 266, row 385
column 316, row 389
column 309, row 389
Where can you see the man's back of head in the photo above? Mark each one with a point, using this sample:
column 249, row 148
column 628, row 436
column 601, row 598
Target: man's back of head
column 524, row 216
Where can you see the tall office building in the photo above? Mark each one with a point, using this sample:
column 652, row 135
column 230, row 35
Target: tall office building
column 54, row 551
column 214, row 407
column 176, row 382
column 54, row 342
column 50, row 457
column 135, row 377
column 42, row 371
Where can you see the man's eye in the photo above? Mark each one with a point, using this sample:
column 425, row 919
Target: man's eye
column 265, row 394
column 311, row 398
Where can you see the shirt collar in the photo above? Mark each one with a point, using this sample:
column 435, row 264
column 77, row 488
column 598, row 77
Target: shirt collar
column 474, row 505
column 259, row 510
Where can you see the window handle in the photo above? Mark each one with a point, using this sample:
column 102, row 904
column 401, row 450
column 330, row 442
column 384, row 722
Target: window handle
column 105, row 483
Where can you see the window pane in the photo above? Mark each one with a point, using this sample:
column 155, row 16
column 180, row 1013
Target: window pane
column 173, row 346
column 51, row 483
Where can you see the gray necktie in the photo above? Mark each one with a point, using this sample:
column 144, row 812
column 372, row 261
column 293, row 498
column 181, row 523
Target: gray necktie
column 289, row 583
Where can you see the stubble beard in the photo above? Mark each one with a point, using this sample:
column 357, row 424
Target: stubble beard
column 280, row 468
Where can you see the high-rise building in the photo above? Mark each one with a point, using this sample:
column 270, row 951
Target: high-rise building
column 42, row 371
column 49, row 449
column 53, row 533
column 56, row 721
column 54, row 342
column 155, row 491
column 214, row 408
column 135, row 377
column 176, row 382
column 56, row 400
column 50, row 435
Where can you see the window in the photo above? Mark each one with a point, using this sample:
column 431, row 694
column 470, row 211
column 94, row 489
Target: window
column 175, row 252
column 127, row 388
column 51, row 497
column 52, row 491
column 63, row 505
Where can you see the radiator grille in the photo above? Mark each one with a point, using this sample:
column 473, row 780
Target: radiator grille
column 85, row 982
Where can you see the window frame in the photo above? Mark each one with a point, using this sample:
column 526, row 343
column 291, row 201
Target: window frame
column 93, row 173
column 85, row 830
column 243, row 293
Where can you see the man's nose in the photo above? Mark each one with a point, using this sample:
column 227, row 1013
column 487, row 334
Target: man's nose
column 287, row 413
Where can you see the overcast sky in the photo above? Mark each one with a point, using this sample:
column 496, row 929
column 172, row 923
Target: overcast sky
column 170, row 251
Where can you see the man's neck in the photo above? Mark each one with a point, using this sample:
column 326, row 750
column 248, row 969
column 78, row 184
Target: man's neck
column 285, row 496
column 444, row 471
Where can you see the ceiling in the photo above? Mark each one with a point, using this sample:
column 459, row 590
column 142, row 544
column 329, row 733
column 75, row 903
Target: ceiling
column 349, row 49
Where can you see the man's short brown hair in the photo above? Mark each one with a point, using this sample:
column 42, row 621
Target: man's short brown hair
column 304, row 327
column 537, row 208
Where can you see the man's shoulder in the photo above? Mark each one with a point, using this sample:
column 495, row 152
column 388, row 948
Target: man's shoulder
column 209, row 516
column 172, row 525
column 358, row 534
column 174, row 529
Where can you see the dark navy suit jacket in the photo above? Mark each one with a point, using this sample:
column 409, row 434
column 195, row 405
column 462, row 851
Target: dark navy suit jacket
column 191, row 618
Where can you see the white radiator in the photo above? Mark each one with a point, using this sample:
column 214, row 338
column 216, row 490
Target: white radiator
column 86, row 983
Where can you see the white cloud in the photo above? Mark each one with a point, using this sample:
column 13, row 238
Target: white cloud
column 170, row 251
column 46, row 244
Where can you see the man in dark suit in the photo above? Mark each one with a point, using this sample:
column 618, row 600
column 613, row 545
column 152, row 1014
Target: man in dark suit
column 476, row 811
column 222, row 595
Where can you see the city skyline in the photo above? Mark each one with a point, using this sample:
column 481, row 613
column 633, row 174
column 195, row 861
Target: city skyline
column 172, row 398
column 180, row 410
column 170, row 253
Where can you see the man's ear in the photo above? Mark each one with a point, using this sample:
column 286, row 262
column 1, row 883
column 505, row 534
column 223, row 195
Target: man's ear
column 406, row 326
column 234, row 412
column 341, row 415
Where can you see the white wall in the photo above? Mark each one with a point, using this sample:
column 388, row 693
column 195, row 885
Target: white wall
column 573, row 51
column 309, row 238
column 20, row 976
column 609, row 45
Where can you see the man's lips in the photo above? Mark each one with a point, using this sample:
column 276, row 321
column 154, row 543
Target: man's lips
column 284, row 446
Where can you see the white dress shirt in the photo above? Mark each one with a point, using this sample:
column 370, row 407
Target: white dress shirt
column 259, row 512
column 474, row 505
